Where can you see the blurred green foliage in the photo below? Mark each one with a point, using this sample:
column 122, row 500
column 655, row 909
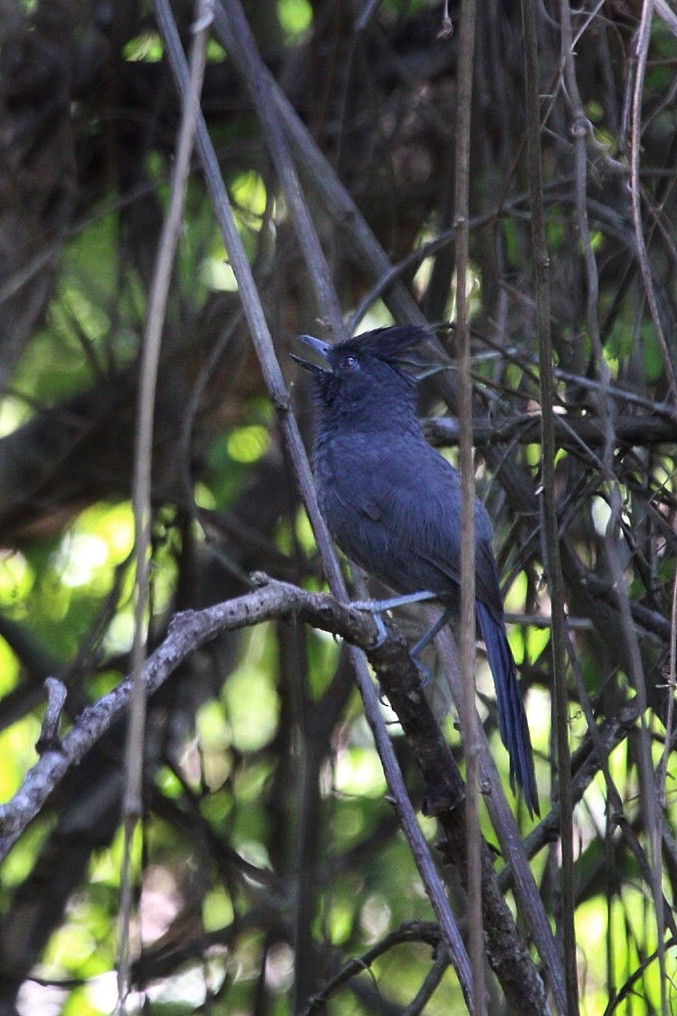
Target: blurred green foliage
column 269, row 850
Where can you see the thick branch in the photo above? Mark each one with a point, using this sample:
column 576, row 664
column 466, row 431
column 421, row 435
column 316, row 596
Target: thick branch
column 400, row 681
column 573, row 432
column 187, row 633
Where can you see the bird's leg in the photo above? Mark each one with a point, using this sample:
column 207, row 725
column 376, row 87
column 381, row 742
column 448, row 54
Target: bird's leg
column 381, row 633
column 378, row 607
column 425, row 640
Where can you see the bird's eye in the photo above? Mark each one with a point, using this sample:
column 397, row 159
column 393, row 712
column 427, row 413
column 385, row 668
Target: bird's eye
column 350, row 362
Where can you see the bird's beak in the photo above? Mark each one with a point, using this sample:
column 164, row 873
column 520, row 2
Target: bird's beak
column 321, row 350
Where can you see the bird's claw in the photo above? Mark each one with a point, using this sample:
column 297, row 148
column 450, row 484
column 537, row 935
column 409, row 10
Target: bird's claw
column 375, row 608
column 381, row 631
column 423, row 669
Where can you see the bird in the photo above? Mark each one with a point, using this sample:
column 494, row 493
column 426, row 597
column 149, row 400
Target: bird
column 393, row 504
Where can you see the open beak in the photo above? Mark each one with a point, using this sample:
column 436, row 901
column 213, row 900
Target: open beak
column 320, row 349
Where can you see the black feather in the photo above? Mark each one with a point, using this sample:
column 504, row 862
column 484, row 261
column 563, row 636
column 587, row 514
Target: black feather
column 393, row 504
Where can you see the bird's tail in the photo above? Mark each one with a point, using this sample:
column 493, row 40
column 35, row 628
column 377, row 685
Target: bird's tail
column 512, row 719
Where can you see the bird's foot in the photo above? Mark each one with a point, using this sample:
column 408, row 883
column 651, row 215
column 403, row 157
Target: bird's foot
column 423, row 668
column 379, row 606
column 381, row 631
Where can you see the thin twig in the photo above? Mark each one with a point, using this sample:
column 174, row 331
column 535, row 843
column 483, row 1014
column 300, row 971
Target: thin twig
column 550, row 526
column 579, row 129
column 242, row 50
column 141, row 488
column 672, row 686
column 645, row 766
column 412, row 931
column 469, row 721
column 280, row 399
column 510, row 843
column 642, row 50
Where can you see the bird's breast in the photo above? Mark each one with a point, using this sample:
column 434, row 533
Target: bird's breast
column 372, row 498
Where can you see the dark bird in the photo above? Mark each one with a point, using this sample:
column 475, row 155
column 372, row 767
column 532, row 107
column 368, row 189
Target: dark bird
column 393, row 504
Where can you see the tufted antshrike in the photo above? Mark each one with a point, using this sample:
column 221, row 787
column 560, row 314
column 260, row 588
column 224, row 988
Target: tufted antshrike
column 393, row 504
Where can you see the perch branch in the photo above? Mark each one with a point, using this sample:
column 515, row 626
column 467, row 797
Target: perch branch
column 400, row 681
column 275, row 383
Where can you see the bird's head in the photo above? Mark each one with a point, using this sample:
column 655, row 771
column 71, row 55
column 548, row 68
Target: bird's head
column 378, row 368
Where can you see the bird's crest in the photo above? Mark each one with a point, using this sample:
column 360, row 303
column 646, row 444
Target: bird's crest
column 409, row 347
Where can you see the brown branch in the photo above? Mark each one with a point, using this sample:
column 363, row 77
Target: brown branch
column 412, row 931
column 400, row 681
column 188, row 632
column 278, row 393
column 132, row 807
column 553, row 563
column 571, row 432
column 466, row 700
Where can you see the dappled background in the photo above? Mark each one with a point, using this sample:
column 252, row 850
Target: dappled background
column 270, row 856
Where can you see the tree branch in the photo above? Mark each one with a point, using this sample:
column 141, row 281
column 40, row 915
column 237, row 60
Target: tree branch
column 277, row 390
column 400, row 681
column 571, row 432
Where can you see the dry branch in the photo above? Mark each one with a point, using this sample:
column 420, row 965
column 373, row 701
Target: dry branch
column 399, row 679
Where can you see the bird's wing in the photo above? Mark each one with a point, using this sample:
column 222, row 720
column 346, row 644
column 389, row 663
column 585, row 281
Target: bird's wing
column 487, row 588
column 427, row 504
column 395, row 509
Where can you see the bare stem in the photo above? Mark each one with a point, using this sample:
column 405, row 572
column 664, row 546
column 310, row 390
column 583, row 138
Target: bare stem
column 141, row 488
column 552, row 562
column 468, row 711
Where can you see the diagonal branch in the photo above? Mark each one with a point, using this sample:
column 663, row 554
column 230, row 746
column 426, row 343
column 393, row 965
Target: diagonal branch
column 399, row 679
column 275, row 383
